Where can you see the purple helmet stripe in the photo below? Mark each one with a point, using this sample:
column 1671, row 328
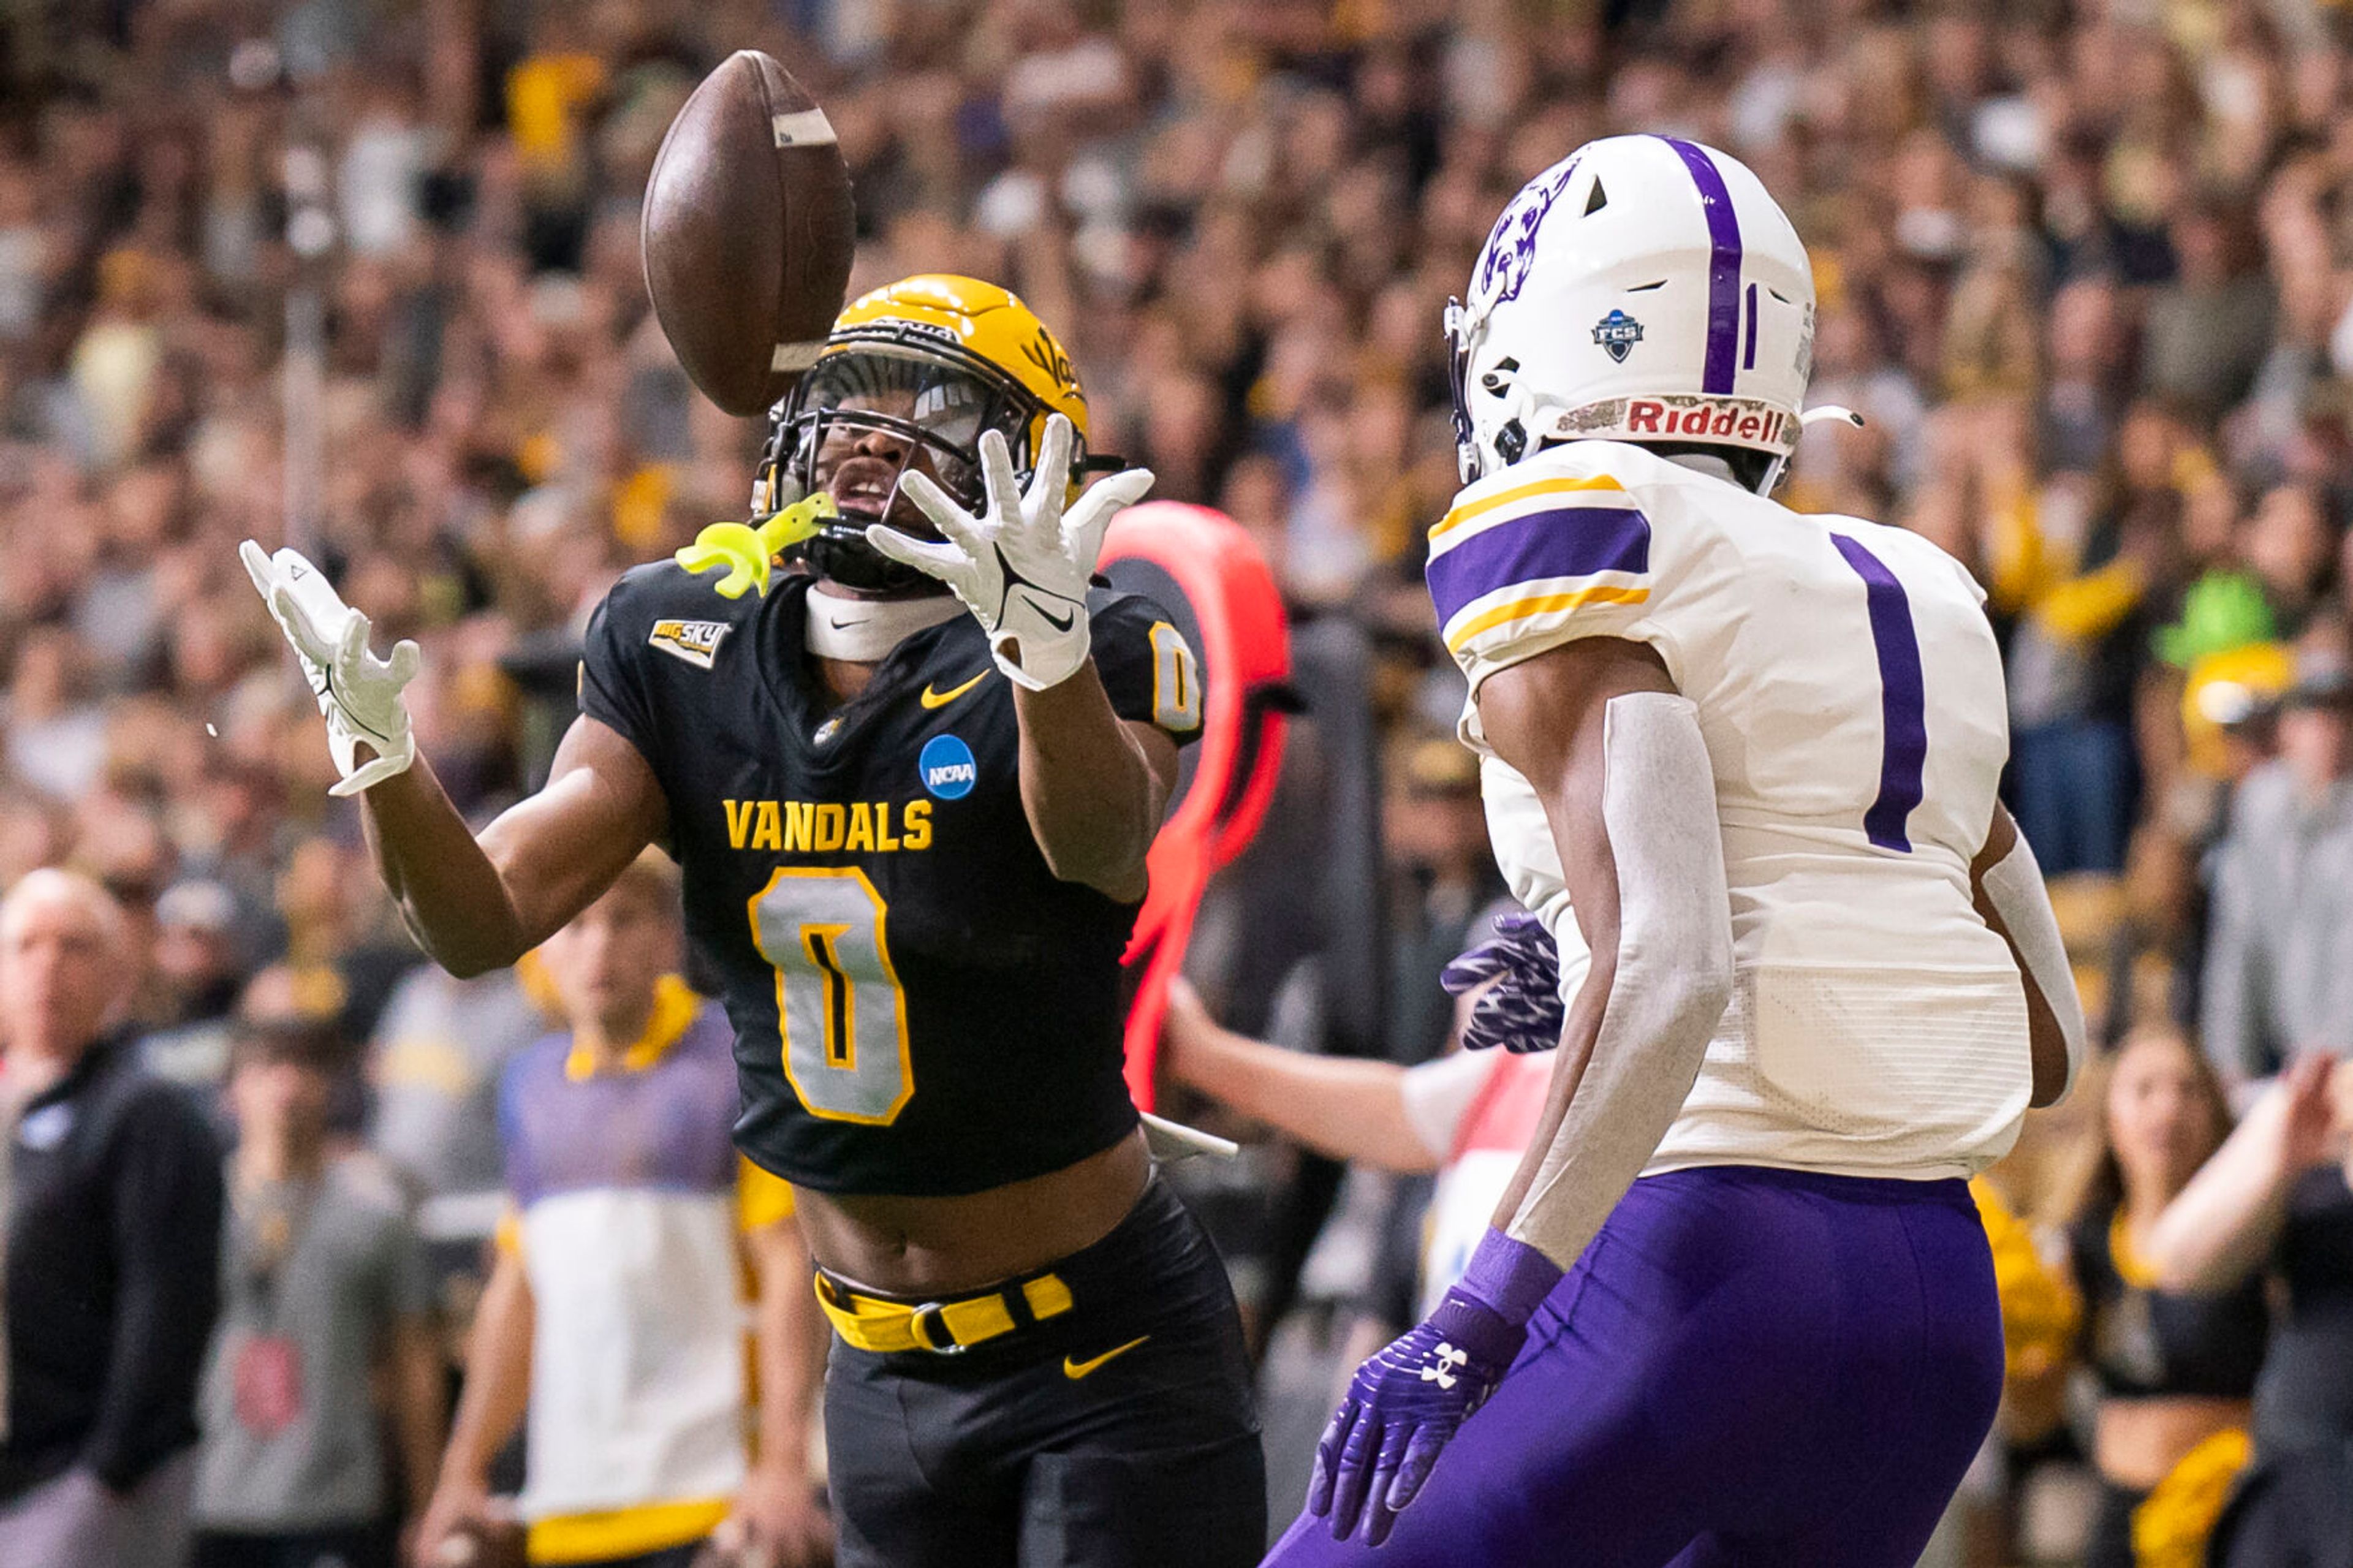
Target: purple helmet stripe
column 1723, row 265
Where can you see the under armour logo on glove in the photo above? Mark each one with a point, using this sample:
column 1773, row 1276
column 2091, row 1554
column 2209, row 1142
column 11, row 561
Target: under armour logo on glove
column 1519, row 1008
column 1442, row 1362
column 1406, row 1402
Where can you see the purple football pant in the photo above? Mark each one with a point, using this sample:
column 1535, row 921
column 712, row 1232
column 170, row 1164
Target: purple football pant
column 1748, row 1368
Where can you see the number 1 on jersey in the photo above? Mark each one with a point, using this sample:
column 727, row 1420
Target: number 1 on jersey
column 839, row 1009
column 1903, row 701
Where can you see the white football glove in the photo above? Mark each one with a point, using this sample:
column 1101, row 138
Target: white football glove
column 1023, row 569
column 358, row 693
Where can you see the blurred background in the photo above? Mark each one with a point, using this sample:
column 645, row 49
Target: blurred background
column 363, row 277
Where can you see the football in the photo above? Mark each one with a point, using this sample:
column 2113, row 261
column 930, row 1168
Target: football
column 748, row 231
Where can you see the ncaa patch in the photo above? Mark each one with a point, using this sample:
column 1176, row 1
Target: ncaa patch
column 947, row 768
column 697, row 642
column 1617, row 332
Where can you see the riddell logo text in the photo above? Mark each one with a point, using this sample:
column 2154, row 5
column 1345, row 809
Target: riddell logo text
column 1738, row 421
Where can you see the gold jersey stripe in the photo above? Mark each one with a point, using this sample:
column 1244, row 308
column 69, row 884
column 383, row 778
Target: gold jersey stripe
column 1518, row 609
column 1464, row 513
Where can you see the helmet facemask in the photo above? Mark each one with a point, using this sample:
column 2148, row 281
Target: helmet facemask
column 926, row 401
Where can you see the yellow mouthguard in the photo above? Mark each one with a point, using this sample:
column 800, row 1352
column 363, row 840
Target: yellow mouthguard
column 747, row 553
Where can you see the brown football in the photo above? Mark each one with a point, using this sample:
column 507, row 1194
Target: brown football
column 748, row 231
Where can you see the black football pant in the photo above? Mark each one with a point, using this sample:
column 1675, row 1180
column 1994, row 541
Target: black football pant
column 1121, row 1434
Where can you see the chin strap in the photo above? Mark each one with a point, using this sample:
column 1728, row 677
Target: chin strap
column 864, row 631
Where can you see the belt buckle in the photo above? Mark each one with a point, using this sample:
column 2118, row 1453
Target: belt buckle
column 922, row 1339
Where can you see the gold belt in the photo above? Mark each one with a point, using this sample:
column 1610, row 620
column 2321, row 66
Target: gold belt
column 942, row 1328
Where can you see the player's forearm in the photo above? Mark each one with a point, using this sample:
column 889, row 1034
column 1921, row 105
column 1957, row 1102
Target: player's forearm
column 1661, row 979
column 2007, row 887
column 498, row 1374
column 1342, row 1108
column 1092, row 801
column 1628, row 1058
column 447, row 889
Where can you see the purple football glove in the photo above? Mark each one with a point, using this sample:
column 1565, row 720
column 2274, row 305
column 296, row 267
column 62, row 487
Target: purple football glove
column 1407, row 1400
column 1522, row 1011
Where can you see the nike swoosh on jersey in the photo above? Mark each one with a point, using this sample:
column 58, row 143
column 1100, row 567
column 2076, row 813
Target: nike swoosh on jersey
column 1075, row 1370
column 932, row 699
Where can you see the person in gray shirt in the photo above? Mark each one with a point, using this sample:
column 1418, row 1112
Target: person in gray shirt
column 434, row 1067
column 323, row 1287
column 2279, row 954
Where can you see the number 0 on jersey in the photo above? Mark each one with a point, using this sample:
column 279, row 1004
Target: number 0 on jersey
column 838, row 1005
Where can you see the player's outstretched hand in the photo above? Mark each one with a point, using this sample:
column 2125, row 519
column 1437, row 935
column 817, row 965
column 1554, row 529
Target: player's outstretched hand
column 1406, row 1404
column 1519, row 1007
column 1022, row 569
column 358, row 693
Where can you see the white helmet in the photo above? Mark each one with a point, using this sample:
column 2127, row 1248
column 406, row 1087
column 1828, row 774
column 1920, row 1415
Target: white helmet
column 1642, row 289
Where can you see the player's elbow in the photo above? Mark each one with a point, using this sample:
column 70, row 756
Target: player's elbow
column 464, row 955
column 1680, row 987
column 1117, row 874
column 1694, row 966
column 1706, row 992
column 1105, row 849
column 2051, row 1085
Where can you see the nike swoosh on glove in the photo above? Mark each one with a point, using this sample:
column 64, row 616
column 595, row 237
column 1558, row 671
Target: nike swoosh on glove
column 1407, row 1403
column 1022, row 569
column 1521, row 1009
column 359, row 694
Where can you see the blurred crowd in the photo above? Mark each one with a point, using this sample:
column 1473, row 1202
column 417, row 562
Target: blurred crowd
column 363, row 275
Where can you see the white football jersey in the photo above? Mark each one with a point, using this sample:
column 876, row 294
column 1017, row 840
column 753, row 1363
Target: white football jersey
column 1852, row 700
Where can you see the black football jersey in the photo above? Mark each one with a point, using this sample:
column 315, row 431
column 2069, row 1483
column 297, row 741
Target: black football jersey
column 920, row 1006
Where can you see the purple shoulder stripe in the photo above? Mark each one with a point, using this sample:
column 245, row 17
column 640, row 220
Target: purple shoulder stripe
column 1565, row 542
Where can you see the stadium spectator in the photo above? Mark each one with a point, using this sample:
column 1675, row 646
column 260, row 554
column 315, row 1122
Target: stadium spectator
column 325, row 1300
column 198, row 974
column 433, row 1067
column 2275, row 1200
column 611, row 1326
column 2279, row 962
column 2274, row 1197
column 1435, row 835
column 2176, row 1370
column 112, row 1253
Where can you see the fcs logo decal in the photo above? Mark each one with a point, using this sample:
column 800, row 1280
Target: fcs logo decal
column 947, row 768
column 697, row 642
column 1617, row 332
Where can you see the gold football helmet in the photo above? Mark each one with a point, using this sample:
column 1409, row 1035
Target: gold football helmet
column 931, row 362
